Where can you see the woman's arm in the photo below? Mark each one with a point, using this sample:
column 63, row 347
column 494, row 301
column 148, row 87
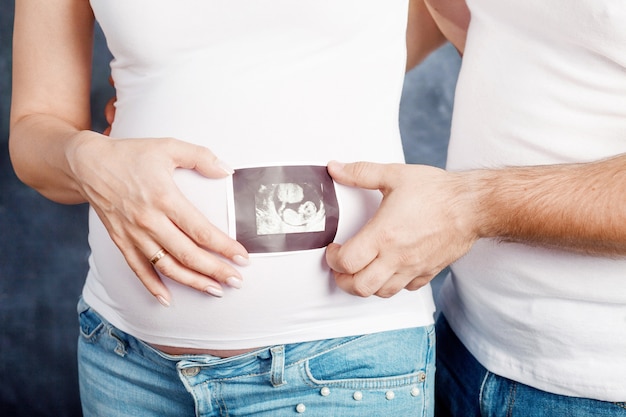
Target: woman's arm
column 452, row 17
column 431, row 23
column 52, row 45
column 423, row 36
column 128, row 182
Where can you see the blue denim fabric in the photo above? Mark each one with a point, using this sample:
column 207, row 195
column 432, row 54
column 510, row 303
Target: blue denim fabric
column 464, row 388
column 383, row 374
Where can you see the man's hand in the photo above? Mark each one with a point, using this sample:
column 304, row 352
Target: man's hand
column 424, row 223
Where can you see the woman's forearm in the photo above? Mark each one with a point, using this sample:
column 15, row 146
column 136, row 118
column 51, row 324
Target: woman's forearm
column 41, row 148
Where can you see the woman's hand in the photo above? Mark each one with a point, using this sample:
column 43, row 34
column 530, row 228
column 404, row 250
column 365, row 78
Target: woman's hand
column 129, row 183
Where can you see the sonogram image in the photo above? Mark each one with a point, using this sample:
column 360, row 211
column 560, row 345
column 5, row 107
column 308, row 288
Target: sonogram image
column 289, row 208
column 285, row 208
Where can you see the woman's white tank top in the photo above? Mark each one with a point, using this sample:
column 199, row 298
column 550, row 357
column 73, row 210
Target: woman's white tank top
column 262, row 83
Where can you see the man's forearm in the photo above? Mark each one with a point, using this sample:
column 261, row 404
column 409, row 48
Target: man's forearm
column 579, row 207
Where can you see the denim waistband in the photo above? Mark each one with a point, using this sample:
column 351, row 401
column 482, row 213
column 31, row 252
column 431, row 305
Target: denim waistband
column 289, row 353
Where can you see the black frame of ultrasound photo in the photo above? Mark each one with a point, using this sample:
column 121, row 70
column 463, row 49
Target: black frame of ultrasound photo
column 247, row 182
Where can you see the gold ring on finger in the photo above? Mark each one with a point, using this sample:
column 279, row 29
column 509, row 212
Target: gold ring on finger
column 157, row 256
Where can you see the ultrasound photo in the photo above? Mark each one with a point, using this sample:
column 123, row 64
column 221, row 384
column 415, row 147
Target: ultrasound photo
column 284, row 208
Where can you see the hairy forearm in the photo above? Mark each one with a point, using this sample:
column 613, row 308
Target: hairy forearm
column 577, row 207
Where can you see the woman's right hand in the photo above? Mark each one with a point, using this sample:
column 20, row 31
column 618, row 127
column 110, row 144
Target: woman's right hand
column 129, row 183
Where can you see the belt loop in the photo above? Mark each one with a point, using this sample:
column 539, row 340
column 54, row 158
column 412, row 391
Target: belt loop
column 277, row 373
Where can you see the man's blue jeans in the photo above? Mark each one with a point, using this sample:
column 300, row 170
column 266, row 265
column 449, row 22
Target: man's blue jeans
column 464, row 388
column 383, row 374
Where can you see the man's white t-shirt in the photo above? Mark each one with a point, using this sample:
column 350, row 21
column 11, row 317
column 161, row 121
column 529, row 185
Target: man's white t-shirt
column 262, row 84
column 542, row 82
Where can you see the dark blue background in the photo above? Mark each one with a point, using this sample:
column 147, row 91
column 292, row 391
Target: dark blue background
column 43, row 245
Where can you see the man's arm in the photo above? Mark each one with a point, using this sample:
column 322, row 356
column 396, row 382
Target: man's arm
column 576, row 207
column 429, row 217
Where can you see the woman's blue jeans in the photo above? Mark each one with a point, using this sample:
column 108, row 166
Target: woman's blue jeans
column 383, row 374
column 464, row 388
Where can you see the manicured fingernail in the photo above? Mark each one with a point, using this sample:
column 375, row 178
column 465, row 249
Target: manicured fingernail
column 241, row 260
column 163, row 301
column 234, row 282
column 225, row 167
column 214, row 290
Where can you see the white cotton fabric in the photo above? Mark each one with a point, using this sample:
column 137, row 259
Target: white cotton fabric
column 542, row 82
column 259, row 82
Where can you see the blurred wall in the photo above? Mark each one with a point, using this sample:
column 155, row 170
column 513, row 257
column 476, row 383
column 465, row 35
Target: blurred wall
column 43, row 245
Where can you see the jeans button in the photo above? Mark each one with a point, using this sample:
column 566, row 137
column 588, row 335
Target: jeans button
column 189, row 372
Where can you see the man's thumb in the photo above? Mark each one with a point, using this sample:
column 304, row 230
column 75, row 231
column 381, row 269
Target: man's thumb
column 367, row 175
